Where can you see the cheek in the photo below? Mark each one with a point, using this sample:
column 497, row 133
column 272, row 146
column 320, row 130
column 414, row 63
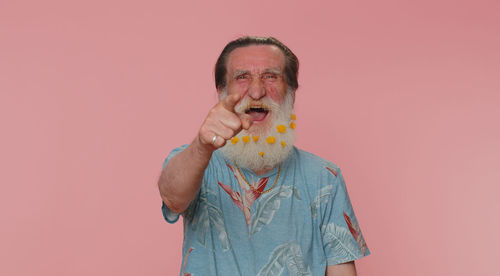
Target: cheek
column 240, row 88
column 277, row 94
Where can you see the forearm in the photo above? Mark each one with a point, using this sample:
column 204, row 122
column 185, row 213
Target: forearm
column 181, row 178
column 345, row 269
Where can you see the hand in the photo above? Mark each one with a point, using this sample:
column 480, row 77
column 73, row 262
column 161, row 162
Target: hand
column 223, row 122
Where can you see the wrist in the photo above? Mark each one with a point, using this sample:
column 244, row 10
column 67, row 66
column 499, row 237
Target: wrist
column 201, row 150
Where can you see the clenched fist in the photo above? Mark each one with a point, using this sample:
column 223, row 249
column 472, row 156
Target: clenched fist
column 222, row 122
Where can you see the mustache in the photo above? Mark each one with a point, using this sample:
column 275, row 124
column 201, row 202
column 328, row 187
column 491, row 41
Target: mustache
column 264, row 103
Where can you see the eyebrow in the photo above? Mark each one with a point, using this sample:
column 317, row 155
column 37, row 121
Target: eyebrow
column 240, row 72
column 273, row 70
column 267, row 70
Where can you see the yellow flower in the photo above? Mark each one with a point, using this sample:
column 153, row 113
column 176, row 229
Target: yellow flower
column 271, row 140
column 283, row 143
column 245, row 139
column 281, row 128
column 261, row 153
column 292, row 125
column 293, row 116
column 255, row 138
column 235, row 140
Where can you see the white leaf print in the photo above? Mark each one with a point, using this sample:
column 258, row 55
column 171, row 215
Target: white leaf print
column 287, row 255
column 266, row 207
column 295, row 262
column 210, row 214
column 276, row 262
column 296, row 193
column 340, row 241
column 202, row 221
column 322, row 198
column 217, row 220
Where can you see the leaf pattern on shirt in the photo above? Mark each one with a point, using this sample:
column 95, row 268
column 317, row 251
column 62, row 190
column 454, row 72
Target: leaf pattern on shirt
column 339, row 240
column 266, row 208
column 287, row 255
column 250, row 195
column 322, row 198
column 356, row 233
column 185, row 263
column 210, row 215
column 296, row 193
column 333, row 171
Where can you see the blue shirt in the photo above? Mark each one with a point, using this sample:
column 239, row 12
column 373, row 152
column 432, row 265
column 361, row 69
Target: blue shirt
column 298, row 227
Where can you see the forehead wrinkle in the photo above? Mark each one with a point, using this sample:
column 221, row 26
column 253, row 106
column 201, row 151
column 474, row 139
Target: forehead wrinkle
column 256, row 54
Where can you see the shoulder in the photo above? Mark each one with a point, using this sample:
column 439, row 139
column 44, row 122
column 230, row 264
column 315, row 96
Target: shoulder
column 315, row 164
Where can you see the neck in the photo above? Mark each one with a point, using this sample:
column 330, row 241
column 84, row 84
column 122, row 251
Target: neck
column 264, row 171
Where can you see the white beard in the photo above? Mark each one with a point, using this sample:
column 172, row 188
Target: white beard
column 247, row 155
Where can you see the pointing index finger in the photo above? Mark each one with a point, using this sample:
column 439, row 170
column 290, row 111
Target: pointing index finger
column 230, row 101
column 246, row 121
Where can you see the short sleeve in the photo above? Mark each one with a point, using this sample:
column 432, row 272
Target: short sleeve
column 169, row 215
column 342, row 237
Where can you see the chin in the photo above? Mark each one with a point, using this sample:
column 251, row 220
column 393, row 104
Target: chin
column 248, row 155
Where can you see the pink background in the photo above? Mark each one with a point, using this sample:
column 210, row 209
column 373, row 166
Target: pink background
column 403, row 95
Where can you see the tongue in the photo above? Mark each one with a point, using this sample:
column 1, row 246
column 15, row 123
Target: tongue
column 257, row 116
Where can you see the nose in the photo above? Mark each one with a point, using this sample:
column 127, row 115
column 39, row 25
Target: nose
column 256, row 90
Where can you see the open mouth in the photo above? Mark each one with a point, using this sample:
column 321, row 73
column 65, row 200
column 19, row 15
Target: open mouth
column 257, row 113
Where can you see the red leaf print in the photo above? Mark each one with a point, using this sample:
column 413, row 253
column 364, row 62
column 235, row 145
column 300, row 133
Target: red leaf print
column 351, row 226
column 185, row 262
column 356, row 233
column 235, row 196
column 250, row 195
column 333, row 171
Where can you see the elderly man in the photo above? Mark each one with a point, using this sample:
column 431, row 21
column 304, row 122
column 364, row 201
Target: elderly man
column 253, row 204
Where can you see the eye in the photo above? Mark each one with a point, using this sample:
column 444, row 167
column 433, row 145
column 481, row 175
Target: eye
column 270, row 76
column 242, row 77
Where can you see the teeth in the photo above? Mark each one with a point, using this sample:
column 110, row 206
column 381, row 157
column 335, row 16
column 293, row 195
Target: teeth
column 256, row 109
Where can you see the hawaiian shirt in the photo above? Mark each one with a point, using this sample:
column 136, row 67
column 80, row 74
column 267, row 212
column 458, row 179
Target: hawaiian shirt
column 296, row 219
